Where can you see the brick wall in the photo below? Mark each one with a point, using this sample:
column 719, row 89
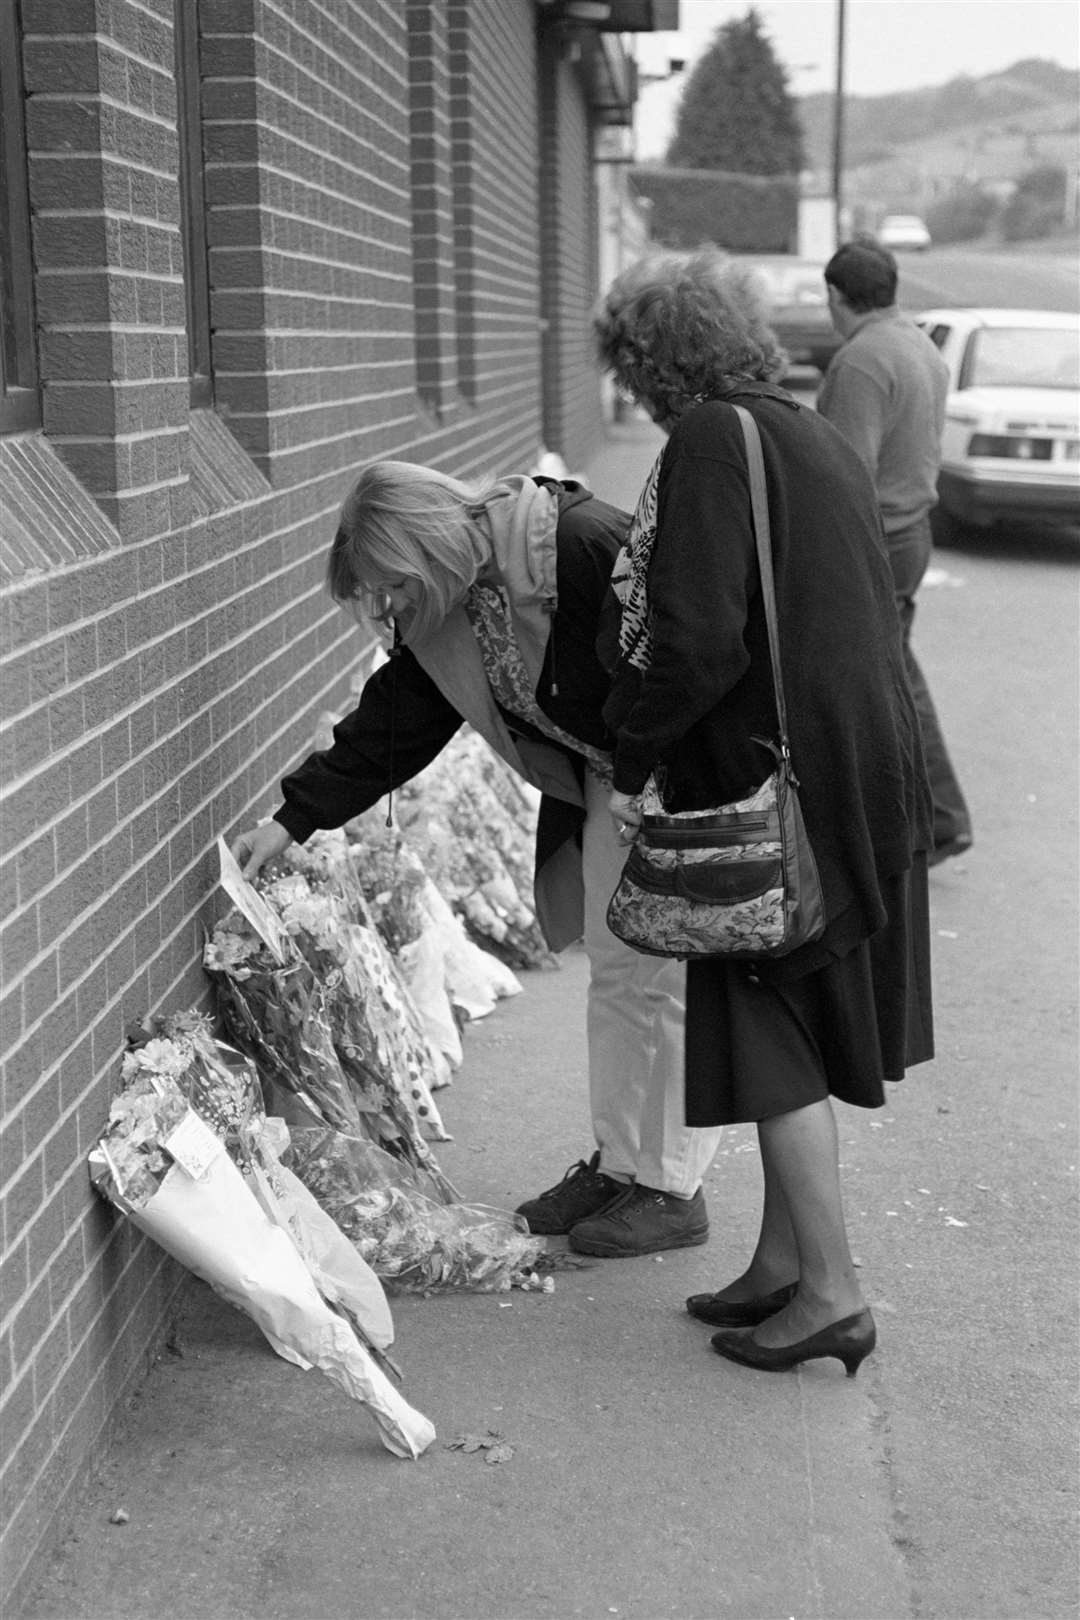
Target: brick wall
column 376, row 244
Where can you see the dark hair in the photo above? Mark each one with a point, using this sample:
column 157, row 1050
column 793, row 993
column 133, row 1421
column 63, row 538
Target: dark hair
column 679, row 327
column 865, row 274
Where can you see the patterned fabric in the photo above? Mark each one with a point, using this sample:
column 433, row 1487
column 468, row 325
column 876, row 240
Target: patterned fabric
column 656, row 909
column 629, row 574
column 487, row 608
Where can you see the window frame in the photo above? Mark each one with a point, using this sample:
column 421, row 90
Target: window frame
column 20, row 380
column 193, row 202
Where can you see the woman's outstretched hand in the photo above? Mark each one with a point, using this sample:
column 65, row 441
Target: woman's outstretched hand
column 626, row 812
column 254, row 848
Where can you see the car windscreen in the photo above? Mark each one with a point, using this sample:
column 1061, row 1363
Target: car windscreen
column 1022, row 357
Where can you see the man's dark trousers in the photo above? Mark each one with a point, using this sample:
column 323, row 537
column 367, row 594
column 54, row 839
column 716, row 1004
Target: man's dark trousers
column 909, row 554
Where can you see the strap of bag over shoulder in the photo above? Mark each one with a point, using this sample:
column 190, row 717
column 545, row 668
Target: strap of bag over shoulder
column 759, row 506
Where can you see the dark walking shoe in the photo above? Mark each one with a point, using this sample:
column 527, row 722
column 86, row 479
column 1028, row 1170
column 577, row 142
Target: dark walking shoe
column 583, row 1191
column 738, row 1313
column 641, row 1221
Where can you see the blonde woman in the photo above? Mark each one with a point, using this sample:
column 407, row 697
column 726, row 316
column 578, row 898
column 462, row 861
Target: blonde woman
column 494, row 592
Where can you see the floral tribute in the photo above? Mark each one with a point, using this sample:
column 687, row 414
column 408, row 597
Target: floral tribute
column 329, row 1024
column 473, row 824
column 190, row 1159
column 322, row 902
column 411, row 1242
column 451, row 977
column 391, row 877
column 322, row 1011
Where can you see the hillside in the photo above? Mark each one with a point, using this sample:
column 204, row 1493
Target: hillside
column 911, row 145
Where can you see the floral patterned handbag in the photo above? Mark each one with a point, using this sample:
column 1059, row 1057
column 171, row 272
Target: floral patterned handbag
column 738, row 881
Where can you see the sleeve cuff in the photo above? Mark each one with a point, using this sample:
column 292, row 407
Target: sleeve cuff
column 628, row 779
column 298, row 826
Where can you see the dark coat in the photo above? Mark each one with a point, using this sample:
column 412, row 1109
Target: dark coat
column 708, row 691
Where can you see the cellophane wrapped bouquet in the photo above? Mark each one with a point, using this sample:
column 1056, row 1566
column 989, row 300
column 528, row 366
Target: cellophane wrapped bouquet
column 441, row 962
column 317, row 1018
column 391, row 877
column 321, row 900
column 333, row 1031
column 189, row 1157
column 409, row 1240
column 473, row 823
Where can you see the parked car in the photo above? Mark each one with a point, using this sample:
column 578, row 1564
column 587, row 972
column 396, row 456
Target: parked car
column 903, row 231
column 1011, row 445
column 794, row 291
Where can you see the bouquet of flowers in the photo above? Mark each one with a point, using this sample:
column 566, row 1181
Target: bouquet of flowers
column 302, row 993
column 410, row 1241
column 473, row 823
column 322, row 904
column 277, row 1015
column 164, row 1164
column 223, row 1088
column 378, row 860
column 391, row 878
column 440, row 963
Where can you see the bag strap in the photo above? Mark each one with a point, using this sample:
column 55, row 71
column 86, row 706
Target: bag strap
column 759, row 505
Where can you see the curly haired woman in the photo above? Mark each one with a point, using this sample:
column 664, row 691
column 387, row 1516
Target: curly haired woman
column 772, row 1041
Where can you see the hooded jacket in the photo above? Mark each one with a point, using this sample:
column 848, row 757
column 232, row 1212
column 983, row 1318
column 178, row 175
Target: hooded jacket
column 553, row 548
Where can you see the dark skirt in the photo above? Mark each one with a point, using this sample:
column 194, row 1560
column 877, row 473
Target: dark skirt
column 759, row 1042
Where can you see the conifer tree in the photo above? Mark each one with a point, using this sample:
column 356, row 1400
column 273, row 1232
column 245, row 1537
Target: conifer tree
column 736, row 112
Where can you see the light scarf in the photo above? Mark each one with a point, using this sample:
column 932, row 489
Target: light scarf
column 630, row 572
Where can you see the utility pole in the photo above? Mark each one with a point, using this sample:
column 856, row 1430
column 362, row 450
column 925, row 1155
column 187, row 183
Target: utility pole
column 838, row 120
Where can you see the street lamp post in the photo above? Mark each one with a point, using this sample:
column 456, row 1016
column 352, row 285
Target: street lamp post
column 838, row 121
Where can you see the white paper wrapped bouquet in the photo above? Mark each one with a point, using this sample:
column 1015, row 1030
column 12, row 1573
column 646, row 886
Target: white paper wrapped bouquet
column 189, row 1157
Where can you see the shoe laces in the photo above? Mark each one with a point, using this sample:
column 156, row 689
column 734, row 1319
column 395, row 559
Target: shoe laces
column 583, row 1167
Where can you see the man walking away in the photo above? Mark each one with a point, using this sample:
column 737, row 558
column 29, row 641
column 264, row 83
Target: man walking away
column 885, row 391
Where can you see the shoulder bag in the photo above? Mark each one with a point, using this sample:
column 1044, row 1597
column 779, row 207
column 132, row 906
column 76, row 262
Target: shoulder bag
column 738, row 881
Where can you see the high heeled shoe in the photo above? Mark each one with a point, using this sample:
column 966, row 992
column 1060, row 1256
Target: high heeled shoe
column 850, row 1340
column 738, row 1312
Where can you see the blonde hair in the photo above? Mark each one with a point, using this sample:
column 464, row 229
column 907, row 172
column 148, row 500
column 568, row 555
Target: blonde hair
column 680, row 327
column 401, row 520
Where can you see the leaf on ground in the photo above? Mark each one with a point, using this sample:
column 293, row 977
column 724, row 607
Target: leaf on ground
column 561, row 1260
column 474, row 1442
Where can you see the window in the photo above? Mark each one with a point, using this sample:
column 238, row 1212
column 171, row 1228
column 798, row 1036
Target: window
column 1022, row 357
column 193, row 200
column 20, row 399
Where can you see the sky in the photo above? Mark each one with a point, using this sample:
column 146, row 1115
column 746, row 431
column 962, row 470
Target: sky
column 889, row 45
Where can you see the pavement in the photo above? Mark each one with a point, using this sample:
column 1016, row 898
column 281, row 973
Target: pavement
column 648, row 1478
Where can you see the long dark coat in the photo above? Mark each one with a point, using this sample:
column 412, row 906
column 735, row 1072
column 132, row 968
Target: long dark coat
column 708, row 692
